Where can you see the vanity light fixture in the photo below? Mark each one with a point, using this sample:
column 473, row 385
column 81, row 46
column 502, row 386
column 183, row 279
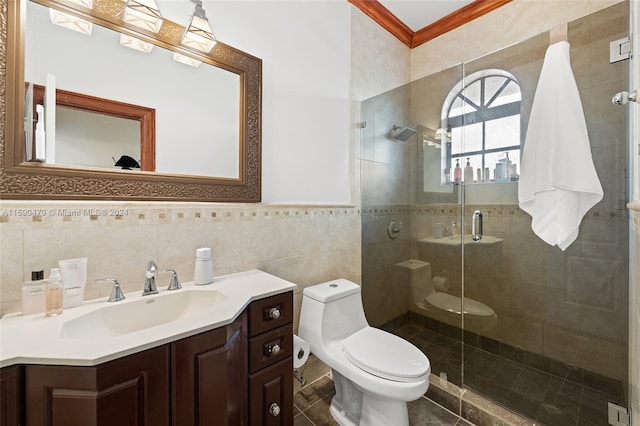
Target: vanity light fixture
column 135, row 43
column 70, row 22
column 198, row 34
column 186, row 60
column 143, row 14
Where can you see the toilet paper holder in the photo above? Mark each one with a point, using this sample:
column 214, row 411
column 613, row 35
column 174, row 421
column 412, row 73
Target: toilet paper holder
column 301, row 351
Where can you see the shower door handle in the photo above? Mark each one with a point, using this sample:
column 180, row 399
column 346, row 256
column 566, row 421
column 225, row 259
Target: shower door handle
column 476, row 230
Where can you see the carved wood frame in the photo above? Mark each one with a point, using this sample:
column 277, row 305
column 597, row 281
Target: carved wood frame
column 23, row 180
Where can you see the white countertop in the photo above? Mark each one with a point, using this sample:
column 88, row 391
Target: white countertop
column 36, row 339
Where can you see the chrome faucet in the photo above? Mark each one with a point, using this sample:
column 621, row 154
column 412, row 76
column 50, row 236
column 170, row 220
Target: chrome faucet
column 150, row 279
column 174, row 284
column 449, row 229
column 116, row 291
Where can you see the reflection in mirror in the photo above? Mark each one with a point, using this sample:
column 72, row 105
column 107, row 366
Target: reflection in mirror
column 197, row 108
column 89, row 131
column 88, row 139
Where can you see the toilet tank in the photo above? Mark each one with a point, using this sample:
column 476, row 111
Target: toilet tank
column 331, row 311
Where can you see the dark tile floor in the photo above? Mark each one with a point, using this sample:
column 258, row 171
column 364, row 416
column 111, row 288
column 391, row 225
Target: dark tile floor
column 311, row 407
column 548, row 394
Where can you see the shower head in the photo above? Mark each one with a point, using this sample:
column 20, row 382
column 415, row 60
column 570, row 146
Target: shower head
column 402, row 133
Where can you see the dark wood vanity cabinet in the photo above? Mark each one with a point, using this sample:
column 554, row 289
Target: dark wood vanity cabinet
column 133, row 390
column 208, row 375
column 271, row 361
column 237, row 375
column 11, row 403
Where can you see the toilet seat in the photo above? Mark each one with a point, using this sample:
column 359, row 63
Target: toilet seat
column 385, row 355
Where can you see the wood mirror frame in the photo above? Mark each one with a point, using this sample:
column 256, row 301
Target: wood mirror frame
column 26, row 180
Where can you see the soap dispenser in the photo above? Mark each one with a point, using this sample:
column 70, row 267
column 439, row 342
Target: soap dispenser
column 203, row 272
column 468, row 172
column 457, row 172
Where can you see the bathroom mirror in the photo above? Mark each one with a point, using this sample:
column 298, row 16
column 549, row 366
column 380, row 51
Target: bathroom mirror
column 197, row 177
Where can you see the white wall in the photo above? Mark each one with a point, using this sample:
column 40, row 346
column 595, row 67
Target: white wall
column 304, row 46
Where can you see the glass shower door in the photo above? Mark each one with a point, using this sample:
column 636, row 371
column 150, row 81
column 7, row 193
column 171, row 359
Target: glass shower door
column 545, row 330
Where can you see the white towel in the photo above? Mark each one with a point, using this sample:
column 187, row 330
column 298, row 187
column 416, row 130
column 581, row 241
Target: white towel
column 558, row 181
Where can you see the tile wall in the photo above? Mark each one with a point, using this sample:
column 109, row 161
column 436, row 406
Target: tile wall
column 303, row 244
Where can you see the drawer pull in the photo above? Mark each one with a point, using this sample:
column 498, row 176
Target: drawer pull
column 274, row 313
column 274, row 410
column 275, row 349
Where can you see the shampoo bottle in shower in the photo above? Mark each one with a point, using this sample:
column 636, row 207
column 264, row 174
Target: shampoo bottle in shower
column 457, row 172
column 468, row 173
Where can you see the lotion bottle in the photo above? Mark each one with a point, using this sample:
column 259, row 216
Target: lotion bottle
column 33, row 294
column 53, row 294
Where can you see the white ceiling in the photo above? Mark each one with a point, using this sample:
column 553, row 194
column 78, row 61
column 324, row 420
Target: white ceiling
column 417, row 14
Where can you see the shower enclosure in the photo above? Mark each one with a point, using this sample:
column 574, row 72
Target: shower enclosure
column 541, row 331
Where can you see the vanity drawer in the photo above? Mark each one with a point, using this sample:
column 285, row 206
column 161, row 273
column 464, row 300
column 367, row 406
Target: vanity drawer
column 270, row 313
column 269, row 348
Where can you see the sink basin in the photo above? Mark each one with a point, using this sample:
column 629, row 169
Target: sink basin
column 150, row 311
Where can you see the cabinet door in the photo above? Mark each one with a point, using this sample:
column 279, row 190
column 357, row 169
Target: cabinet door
column 11, row 396
column 133, row 390
column 208, row 374
column 271, row 395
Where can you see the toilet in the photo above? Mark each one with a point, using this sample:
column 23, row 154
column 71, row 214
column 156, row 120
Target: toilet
column 426, row 300
column 375, row 373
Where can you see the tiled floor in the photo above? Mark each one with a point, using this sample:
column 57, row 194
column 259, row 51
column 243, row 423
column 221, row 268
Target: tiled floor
column 311, row 407
column 551, row 396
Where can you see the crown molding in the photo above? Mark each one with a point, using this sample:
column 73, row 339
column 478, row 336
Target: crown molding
column 387, row 20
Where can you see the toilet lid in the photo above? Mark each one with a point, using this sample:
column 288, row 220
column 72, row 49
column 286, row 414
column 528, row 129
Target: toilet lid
column 385, row 355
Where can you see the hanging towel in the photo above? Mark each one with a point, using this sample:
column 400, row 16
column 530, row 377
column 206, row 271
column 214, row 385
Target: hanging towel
column 558, row 181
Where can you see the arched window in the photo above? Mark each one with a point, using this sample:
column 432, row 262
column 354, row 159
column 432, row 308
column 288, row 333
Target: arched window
column 482, row 117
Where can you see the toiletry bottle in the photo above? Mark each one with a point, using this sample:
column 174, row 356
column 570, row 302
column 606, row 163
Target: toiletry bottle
column 468, row 173
column 203, row 273
column 74, row 278
column 479, row 175
column 53, row 294
column 498, row 173
column 40, row 153
column 507, row 167
column 33, row 294
column 457, row 172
